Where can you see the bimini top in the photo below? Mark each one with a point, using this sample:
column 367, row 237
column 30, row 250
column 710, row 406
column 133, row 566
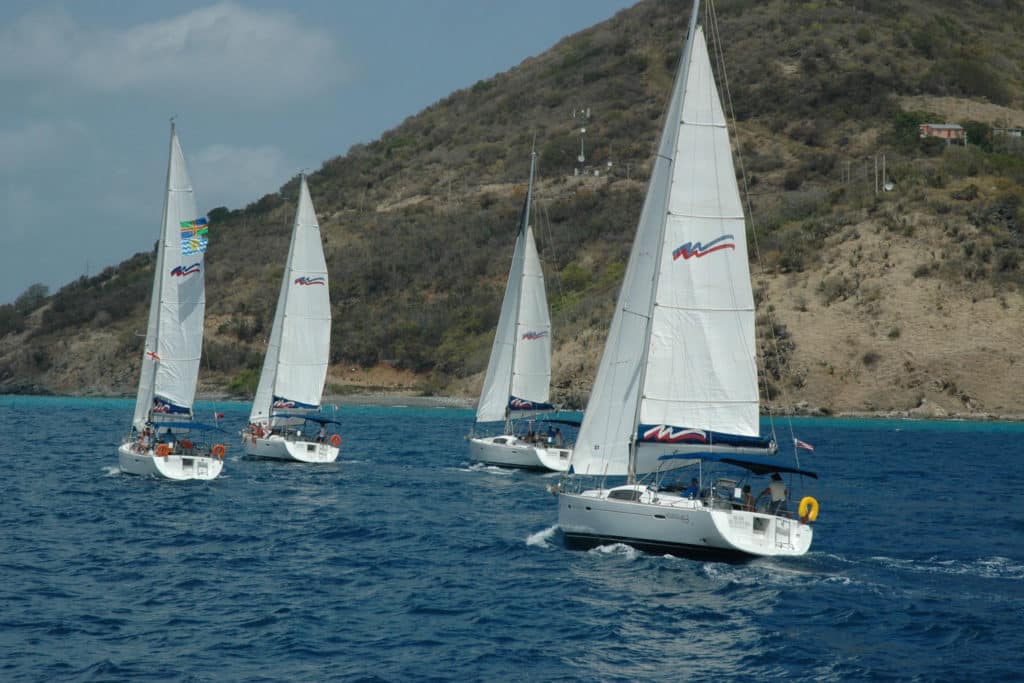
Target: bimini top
column 311, row 418
column 755, row 465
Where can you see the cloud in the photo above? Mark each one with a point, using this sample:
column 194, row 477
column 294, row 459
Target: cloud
column 223, row 52
column 224, row 175
column 38, row 145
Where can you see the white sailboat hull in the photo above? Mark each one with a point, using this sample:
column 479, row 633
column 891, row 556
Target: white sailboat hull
column 178, row 466
column 511, row 451
column 276, row 447
column 665, row 523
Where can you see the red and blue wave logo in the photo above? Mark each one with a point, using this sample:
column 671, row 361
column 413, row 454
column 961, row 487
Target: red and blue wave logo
column 284, row 403
column 533, row 336
column 307, row 281
column 667, row 434
column 698, row 250
column 185, row 271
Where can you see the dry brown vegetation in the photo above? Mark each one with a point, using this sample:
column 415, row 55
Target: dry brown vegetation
column 908, row 300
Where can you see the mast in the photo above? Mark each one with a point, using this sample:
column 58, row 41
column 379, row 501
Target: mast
column 666, row 150
column 523, row 227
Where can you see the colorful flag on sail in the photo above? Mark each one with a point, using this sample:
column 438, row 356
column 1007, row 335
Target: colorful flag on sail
column 194, row 236
column 803, row 444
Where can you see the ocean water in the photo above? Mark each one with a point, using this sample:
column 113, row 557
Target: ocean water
column 402, row 562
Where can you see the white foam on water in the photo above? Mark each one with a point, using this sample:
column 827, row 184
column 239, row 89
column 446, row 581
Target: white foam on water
column 983, row 567
column 484, row 467
column 111, row 471
column 627, row 551
column 541, row 538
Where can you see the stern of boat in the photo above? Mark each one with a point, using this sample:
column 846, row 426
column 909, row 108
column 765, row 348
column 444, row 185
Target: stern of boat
column 178, row 466
column 278, row 448
column 505, row 451
column 762, row 534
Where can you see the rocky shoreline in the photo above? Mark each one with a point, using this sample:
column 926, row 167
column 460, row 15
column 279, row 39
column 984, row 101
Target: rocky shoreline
column 927, row 410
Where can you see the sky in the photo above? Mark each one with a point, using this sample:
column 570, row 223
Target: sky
column 260, row 91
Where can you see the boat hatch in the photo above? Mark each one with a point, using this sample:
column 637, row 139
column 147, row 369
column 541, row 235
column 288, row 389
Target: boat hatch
column 310, row 447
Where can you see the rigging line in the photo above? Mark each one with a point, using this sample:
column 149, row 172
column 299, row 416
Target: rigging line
column 720, row 58
column 544, row 225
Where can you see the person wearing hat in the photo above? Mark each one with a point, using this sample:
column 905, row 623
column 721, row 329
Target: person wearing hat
column 693, row 490
column 777, row 490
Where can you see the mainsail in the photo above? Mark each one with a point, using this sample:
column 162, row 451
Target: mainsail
column 679, row 367
column 519, row 372
column 174, row 334
column 295, row 366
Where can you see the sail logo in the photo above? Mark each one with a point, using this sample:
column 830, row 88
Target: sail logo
column 698, row 250
column 163, row 406
column 667, row 434
column 516, row 403
column 185, row 271
column 520, row 404
column 533, row 336
column 306, row 281
column 283, row 403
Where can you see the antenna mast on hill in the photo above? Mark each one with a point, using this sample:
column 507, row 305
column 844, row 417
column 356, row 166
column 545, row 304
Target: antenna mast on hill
column 582, row 114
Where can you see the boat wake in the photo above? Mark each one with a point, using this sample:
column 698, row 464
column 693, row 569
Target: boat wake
column 490, row 469
column 541, row 538
column 112, row 471
column 996, row 567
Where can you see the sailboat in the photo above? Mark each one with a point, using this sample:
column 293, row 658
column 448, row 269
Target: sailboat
column 518, row 378
column 285, row 422
column 677, row 383
column 164, row 440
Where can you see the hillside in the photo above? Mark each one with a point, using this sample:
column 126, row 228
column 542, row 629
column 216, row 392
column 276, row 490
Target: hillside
column 901, row 300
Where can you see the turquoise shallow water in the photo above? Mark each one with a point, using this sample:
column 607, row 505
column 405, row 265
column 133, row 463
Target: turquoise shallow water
column 402, row 562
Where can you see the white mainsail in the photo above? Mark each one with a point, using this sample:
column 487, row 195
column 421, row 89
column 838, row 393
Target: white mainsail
column 295, row 366
column 174, row 334
column 519, row 372
column 679, row 361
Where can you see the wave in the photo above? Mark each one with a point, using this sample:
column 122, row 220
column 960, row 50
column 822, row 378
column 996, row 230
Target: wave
column 541, row 538
column 627, row 551
column 996, row 567
column 483, row 467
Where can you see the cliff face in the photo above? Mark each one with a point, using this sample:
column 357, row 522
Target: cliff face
column 884, row 290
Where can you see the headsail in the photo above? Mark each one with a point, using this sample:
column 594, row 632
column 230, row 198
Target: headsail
column 679, row 363
column 174, row 334
column 519, row 372
column 295, row 366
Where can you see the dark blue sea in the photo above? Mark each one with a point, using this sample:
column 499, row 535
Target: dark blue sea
column 401, row 562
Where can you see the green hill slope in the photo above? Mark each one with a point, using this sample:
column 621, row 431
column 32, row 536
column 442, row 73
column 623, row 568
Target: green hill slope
column 898, row 300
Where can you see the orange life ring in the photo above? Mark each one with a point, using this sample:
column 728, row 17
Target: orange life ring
column 163, row 450
column 219, row 451
column 336, row 440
